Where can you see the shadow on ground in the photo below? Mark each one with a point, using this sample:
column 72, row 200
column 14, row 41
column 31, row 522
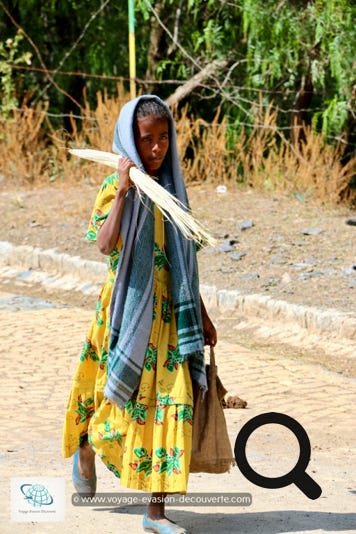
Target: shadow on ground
column 246, row 522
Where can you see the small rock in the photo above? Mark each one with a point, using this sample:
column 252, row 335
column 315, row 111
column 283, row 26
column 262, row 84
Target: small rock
column 227, row 245
column 351, row 222
column 221, row 189
column 251, row 276
column 299, row 266
column 349, row 271
column 330, row 272
column 286, row 279
column 226, row 270
column 299, row 196
column 207, row 250
column 271, row 282
column 277, row 237
column 233, row 402
column 236, row 256
column 278, row 260
column 312, row 274
column 312, row 231
column 244, row 225
column 299, row 243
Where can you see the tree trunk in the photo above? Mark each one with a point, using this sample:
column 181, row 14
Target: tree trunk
column 300, row 109
column 157, row 47
column 211, row 69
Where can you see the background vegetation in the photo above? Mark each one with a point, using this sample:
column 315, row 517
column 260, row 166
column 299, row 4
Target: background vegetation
column 263, row 91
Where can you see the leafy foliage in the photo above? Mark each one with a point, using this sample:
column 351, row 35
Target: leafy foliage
column 70, row 37
column 299, row 41
column 298, row 54
column 8, row 58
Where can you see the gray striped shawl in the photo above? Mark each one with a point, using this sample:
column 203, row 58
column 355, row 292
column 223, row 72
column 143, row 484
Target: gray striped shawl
column 131, row 312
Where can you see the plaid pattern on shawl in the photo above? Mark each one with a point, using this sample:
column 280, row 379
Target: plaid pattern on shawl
column 131, row 312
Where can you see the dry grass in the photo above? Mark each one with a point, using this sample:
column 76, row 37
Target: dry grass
column 308, row 166
column 95, row 130
column 23, row 156
column 33, row 152
column 209, row 160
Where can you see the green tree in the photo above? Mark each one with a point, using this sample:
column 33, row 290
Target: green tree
column 303, row 53
column 8, row 59
column 76, row 36
column 299, row 54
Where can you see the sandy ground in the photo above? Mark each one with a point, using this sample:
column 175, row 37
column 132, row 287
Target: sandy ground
column 43, row 341
column 38, row 366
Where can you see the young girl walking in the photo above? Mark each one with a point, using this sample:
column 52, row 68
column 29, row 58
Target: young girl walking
column 131, row 401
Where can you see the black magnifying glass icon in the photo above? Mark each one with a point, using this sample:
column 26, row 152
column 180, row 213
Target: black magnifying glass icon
column 297, row 475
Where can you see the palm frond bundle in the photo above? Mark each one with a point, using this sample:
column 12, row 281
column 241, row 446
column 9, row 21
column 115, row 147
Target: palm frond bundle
column 168, row 204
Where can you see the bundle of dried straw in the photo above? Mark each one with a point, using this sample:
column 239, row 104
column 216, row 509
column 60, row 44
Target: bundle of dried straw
column 169, row 205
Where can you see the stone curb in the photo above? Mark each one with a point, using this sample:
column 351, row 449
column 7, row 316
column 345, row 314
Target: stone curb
column 340, row 324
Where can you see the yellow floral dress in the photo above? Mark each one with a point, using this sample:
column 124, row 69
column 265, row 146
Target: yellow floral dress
column 148, row 443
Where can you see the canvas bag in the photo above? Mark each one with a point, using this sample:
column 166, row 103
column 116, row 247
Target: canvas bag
column 211, row 448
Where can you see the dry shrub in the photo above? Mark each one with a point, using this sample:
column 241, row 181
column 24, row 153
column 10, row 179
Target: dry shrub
column 306, row 165
column 23, row 156
column 98, row 125
column 255, row 152
column 316, row 168
column 95, row 130
column 33, row 152
column 185, row 139
column 209, row 159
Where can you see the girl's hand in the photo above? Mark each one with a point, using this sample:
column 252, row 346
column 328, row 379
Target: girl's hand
column 123, row 171
column 109, row 233
column 209, row 331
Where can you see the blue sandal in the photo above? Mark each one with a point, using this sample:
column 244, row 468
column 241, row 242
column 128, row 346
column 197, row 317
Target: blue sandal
column 153, row 526
column 84, row 486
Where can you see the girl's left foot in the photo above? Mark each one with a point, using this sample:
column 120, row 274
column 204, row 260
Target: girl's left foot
column 161, row 526
column 83, row 486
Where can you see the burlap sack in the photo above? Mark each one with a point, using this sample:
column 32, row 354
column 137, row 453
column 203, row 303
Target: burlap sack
column 211, row 450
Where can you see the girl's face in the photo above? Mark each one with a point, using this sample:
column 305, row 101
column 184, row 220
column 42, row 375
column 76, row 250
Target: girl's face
column 152, row 142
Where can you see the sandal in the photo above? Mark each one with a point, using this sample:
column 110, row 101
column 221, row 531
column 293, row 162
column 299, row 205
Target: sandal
column 153, row 526
column 84, row 486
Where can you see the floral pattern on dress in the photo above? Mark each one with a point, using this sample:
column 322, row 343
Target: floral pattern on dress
column 111, row 434
column 137, row 411
column 85, row 409
column 168, row 462
column 174, row 359
column 150, row 361
column 99, row 312
column 166, row 306
column 160, row 254
column 143, row 464
column 97, row 219
column 155, row 302
column 184, row 413
column 113, row 469
column 89, row 352
column 104, row 359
